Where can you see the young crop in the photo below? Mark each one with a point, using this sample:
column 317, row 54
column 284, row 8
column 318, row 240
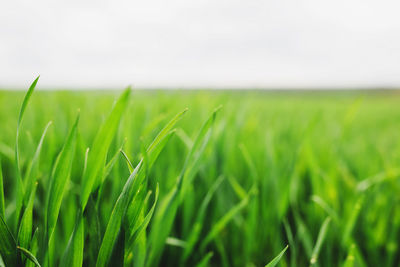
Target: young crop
column 270, row 179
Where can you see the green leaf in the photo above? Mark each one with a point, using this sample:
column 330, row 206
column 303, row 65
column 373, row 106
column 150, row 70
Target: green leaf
column 130, row 189
column 114, row 223
column 320, row 240
column 289, row 234
column 97, row 157
column 25, row 228
column 29, row 255
column 128, row 162
column 8, row 247
column 118, row 253
column 191, row 163
column 140, row 228
column 167, row 128
column 73, row 255
column 33, row 247
column 275, row 261
column 165, row 214
column 326, row 207
column 19, row 187
column 198, row 224
column 221, row 223
column 206, row 260
column 32, row 170
column 59, row 178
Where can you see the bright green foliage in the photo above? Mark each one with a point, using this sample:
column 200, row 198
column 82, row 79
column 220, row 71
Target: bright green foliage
column 275, row 260
column 162, row 178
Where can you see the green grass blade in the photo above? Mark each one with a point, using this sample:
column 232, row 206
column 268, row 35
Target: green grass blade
column 32, row 170
column 128, row 162
column 115, row 221
column 96, row 161
column 222, row 222
column 140, row 228
column 206, row 260
column 276, row 260
column 2, row 205
column 352, row 220
column 326, row 207
column 303, row 234
column 289, row 234
column 19, row 187
column 128, row 191
column 8, row 247
column 320, row 240
column 191, row 163
column 73, row 255
column 33, row 248
column 29, row 255
column 59, row 179
column 21, row 115
column 239, row 190
column 166, row 212
column 25, row 228
column 167, row 128
column 198, row 224
column 350, row 259
column 110, row 164
column 118, row 253
column 136, row 207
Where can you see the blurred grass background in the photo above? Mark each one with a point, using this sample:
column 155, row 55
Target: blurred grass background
column 309, row 155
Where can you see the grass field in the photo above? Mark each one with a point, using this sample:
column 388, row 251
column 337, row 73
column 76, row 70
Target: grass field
column 143, row 182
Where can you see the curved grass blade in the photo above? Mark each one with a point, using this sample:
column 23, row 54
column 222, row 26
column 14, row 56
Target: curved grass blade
column 320, row 240
column 221, row 223
column 8, row 246
column 130, row 188
column 206, row 260
column 96, row 161
column 114, row 224
column 351, row 222
column 191, row 162
column 276, row 260
column 289, row 234
column 29, row 255
column 33, row 247
column 32, row 170
column 140, row 228
column 111, row 163
column 332, row 213
column 303, row 233
column 198, row 224
column 166, row 212
column 19, row 187
column 73, row 255
column 350, row 259
column 59, row 179
column 118, row 253
column 167, row 128
column 25, row 228
column 128, row 162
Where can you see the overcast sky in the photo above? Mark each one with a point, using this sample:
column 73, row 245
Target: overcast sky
column 200, row 43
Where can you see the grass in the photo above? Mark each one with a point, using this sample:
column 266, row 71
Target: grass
column 137, row 179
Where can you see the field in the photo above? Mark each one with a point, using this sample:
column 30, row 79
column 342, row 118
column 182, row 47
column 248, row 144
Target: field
column 200, row 178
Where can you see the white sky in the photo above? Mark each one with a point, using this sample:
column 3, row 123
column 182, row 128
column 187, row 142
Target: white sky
column 200, row 43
